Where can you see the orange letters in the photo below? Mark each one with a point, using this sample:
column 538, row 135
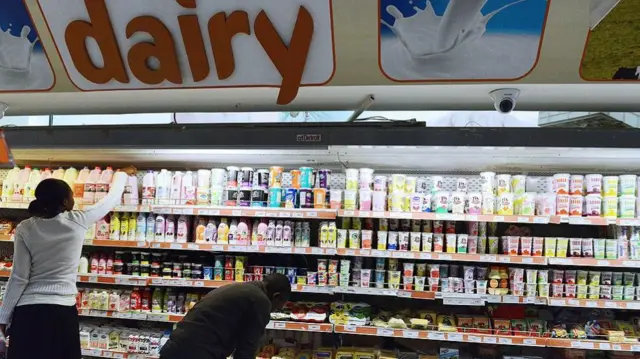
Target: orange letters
column 155, row 61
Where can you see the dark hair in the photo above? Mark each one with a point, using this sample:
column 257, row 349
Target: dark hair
column 277, row 283
column 50, row 196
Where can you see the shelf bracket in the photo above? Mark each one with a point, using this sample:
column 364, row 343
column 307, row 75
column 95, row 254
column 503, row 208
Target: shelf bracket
column 363, row 107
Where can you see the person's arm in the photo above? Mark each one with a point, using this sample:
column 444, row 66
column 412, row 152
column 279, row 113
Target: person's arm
column 18, row 280
column 93, row 213
column 255, row 323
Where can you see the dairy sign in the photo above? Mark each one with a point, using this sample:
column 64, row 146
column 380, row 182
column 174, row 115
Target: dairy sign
column 154, row 44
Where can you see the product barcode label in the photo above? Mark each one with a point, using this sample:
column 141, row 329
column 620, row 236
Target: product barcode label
column 474, row 339
column 313, row 328
column 529, row 342
column 489, row 340
column 605, row 346
column 384, row 332
column 410, row 334
column 454, row 337
column 506, row 341
column 279, row 325
column 436, row 336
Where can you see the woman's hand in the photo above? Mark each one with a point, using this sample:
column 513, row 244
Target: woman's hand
column 130, row 170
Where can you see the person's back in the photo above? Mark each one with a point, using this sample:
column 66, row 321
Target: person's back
column 228, row 320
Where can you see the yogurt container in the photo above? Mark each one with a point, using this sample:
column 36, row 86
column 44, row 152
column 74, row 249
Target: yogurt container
column 610, row 207
column 561, row 183
column 519, row 184
column 457, row 202
column 462, row 185
column 351, row 175
column 562, row 204
column 504, row 204
column 438, row 184
column 488, row 203
column 474, row 203
column 627, row 206
column 593, row 183
column 610, row 186
column 441, row 202
column 628, row 184
column 593, row 205
column 546, row 204
column 488, row 180
column 503, row 184
column 575, row 205
column 576, row 184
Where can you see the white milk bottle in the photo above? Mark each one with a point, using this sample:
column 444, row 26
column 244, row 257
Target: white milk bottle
column 78, row 185
column 141, row 228
column 45, row 174
column 176, row 187
column 102, row 186
column 149, row 188
column 20, row 182
column 7, row 184
column 151, row 227
column 70, row 176
column 89, row 195
column 159, row 228
column 130, row 196
column 182, row 232
column 188, row 191
column 163, row 184
column 58, row 174
column 30, row 186
column 170, row 229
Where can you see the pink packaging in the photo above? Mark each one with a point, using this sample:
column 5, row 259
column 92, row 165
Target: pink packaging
column 365, row 199
column 587, row 247
column 546, row 204
column 557, row 290
column 474, row 203
column 538, row 246
column 472, row 244
column 576, row 184
column 513, row 244
column 557, row 276
column 575, row 205
column 562, row 204
column 525, row 245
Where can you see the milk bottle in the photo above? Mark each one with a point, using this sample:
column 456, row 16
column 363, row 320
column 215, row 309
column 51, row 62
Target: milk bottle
column 130, row 196
column 58, row 174
column 170, row 229
column 78, row 185
column 163, row 184
column 70, row 176
column 89, row 195
column 102, row 186
column 182, row 232
column 141, row 228
column 19, row 183
column 188, row 192
column 176, row 187
column 30, row 186
column 159, row 228
column 149, row 188
column 203, row 191
column 151, row 227
column 7, row 184
column 46, row 174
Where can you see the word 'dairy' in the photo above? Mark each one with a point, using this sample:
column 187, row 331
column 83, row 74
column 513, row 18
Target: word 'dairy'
column 142, row 44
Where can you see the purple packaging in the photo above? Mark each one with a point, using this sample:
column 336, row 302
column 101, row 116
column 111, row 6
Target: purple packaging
column 324, row 178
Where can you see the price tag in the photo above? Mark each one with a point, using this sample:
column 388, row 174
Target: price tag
column 603, row 263
column 529, row 342
column 384, row 332
column 118, row 355
column 350, row 328
column 609, row 304
column 605, row 346
column 617, row 347
column 331, row 251
column 313, row 328
column 489, row 340
column 350, row 252
column 633, row 305
column 165, row 210
column 527, row 260
column 540, row 220
column 236, row 212
column 425, row 256
column 88, row 242
column 566, row 261
column 493, row 298
column 401, row 215
column 138, row 316
column 299, row 215
column 463, row 301
column 488, row 258
column 505, row 259
column 198, row 283
column 188, row 211
column 511, row 299
column 404, row 294
column 474, row 339
column 364, row 214
column 158, row 317
column 365, row 252
column 156, row 245
column 635, row 264
column 506, row 341
column 530, row 300
column 472, row 218
column 446, row 257
column 498, row 218
column 157, row 281
column 121, row 315
column 377, row 214
column 92, row 279
column 177, row 246
column 412, row 334
column 260, row 214
column 455, row 337
column 436, row 336
column 348, row 214
column 299, row 250
column 635, row 348
column 279, row 325
column 312, row 214
column 573, row 302
column 524, row 220
column 582, row 345
column 284, row 214
column 591, row 304
column 378, row 253
column 557, row 302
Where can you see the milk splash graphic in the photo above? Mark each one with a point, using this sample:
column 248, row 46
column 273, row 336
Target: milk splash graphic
column 426, row 34
column 16, row 51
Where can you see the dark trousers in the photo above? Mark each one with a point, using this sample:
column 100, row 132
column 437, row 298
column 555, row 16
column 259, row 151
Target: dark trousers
column 44, row 331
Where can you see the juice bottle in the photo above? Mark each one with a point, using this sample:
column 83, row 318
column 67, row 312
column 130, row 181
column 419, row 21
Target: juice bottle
column 109, row 267
column 163, row 184
column 176, row 187
column 78, row 185
column 30, row 186
column 156, row 301
column 188, row 192
column 200, row 230
column 170, row 229
column 89, row 195
column 182, row 232
column 19, row 183
column 135, row 300
column 141, row 227
column 159, row 228
column 271, row 233
column 124, row 227
column 70, row 176
column 151, row 227
column 94, row 263
column 223, row 232
column 115, row 227
column 133, row 223
column 149, row 188
column 7, row 184
column 102, row 186
column 243, row 233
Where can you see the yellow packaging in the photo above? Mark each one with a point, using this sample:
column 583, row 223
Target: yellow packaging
column 446, row 323
column 550, row 247
column 504, row 204
column 562, row 246
column 364, row 354
column 344, row 353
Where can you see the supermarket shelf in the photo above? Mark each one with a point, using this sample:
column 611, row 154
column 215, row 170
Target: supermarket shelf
column 119, row 208
column 113, row 279
column 592, row 262
column 181, row 282
column 246, row 211
column 117, row 244
column 301, row 327
column 100, row 353
column 451, row 217
column 456, row 257
column 594, row 303
column 440, row 336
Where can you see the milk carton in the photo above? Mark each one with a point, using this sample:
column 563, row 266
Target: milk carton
column 149, row 188
column 70, row 176
column 163, row 186
column 89, row 195
column 30, row 186
column 78, row 185
column 188, row 192
column 58, row 174
column 176, row 187
column 19, row 183
column 102, row 186
column 7, row 184
column 130, row 196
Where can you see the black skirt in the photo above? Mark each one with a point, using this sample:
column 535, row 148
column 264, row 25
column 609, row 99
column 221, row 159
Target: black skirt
column 44, row 331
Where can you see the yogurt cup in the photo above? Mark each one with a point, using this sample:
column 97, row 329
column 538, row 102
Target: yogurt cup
column 397, row 183
column 351, row 175
column 519, row 184
column 546, row 204
column 462, row 185
column 576, row 185
column 610, row 186
column 610, row 207
column 593, row 205
column 457, row 202
column 628, row 184
column 488, row 182
column 441, row 202
column 366, row 178
column 474, row 203
column 488, row 203
column 437, row 184
column 378, row 201
column 563, row 204
column 410, row 184
column 627, row 206
column 561, row 183
column 380, row 183
column 504, row 204
column 593, row 183
column 575, row 205
column 503, row 184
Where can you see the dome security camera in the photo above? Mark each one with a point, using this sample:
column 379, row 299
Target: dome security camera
column 504, row 100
